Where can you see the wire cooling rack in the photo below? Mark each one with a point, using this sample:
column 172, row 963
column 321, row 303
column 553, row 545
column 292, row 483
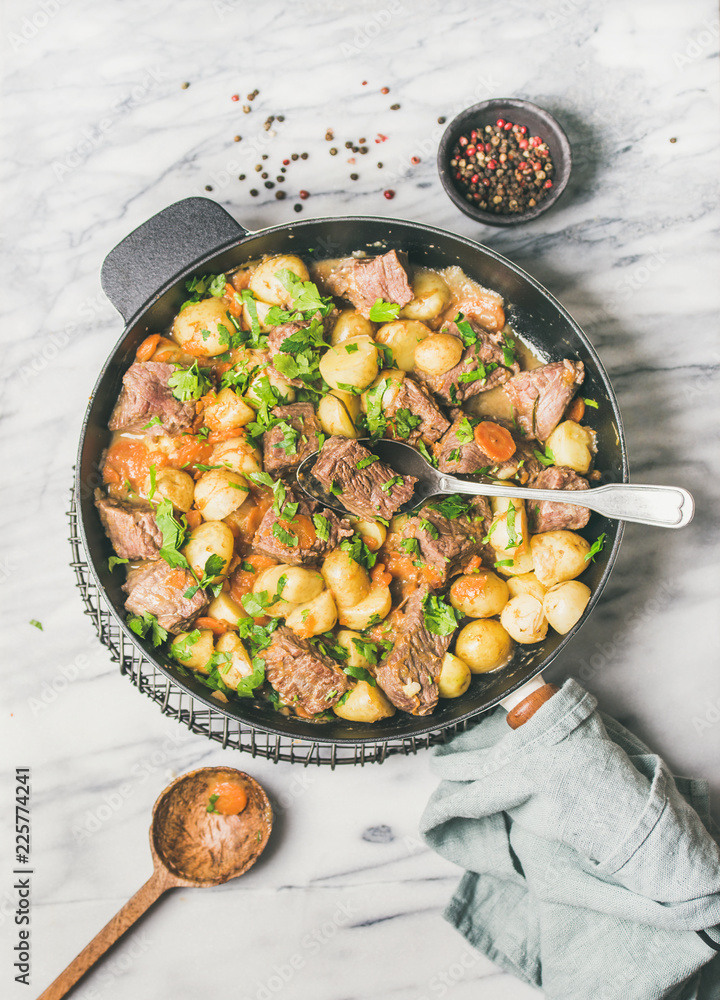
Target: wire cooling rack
column 202, row 719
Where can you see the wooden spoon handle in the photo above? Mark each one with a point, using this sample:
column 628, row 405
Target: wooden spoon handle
column 104, row 939
column 525, row 710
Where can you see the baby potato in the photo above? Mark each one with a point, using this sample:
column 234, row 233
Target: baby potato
column 265, row 284
column 402, row 336
column 219, row 492
column 200, row 650
column 506, row 526
column 431, row 296
column 346, row 579
column 262, row 309
column 520, row 564
column 226, row 411
column 196, row 328
column 398, row 522
column 455, row 677
column 565, row 603
column 239, row 665
column 351, row 363
column 484, row 645
column 238, row 455
column 335, row 414
column 438, row 354
column 355, row 658
column 226, row 610
column 350, row 324
column 173, row 485
column 359, row 616
column 251, row 397
column 524, row 620
column 479, row 595
column 373, row 533
column 572, row 445
column 558, row 556
column 393, row 379
column 211, row 538
column 365, row 703
column 526, row 583
column 301, row 584
column 314, row 617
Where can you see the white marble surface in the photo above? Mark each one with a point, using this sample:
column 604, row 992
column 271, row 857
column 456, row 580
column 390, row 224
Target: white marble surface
column 97, row 136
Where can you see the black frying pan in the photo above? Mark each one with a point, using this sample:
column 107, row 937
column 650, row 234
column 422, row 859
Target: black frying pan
column 144, row 279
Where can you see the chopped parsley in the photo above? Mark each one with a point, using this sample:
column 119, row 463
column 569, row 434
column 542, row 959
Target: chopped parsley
column 411, row 546
column 38, row 625
column 440, row 617
column 211, row 803
column 352, row 348
column 276, row 485
column 504, row 562
column 430, row 459
column 305, row 294
column 246, row 685
column 591, row 402
column 597, row 546
column 213, row 567
column 429, row 527
column 188, row 383
column 464, row 432
column 513, row 540
column 508, row 350
column 479, row 374
column 209, row 284
column 466, row 331
column 173, row 533
column 322, row 527
column 284, row 536
column 364, row 462
column 361, row 674
column 370, row 650
column 405, row 422
column 451, row 507
column 390, row 485
column 454, row 455
column 358, row 550
column 114, row 561
column 154, row 421
column 547, row 458
column 383, row 312
column 183, row 648
column 147, row 624
column 248, row 300
column 376, row 420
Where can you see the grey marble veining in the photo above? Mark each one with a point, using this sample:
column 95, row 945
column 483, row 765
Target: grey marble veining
column 98, row 135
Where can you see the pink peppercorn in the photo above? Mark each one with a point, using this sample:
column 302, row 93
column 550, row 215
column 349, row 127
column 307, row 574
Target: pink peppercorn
column 389, row 194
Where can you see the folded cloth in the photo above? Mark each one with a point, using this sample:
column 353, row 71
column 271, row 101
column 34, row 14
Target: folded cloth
column 591, row 872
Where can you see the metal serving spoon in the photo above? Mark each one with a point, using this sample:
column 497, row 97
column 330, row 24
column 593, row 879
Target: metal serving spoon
column 190, row 848
column 661, row 506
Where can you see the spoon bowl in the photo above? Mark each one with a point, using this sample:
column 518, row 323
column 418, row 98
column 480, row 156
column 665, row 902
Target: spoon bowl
column 660, row 506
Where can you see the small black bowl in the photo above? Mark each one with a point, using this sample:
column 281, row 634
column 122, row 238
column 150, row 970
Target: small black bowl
column 538, row 122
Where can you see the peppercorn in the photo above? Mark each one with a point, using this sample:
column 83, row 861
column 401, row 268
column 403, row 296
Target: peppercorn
column 269, row 184
column 297, row 208
column 394, row 107
column 441, row 120
column 258, row 167
column 235, row 97
column 304, row 194
column 246, row 109
column 241, row 177
column 389, row 194
column 303, row 156
column 329, row 135
column 280, row 179
column 333, row 151
column 208, row 187
column 237, row 138
column 280, row 195
column 294, row 156
column 184, row 86
column 354, row 177
column 673, row 139
column 415, row 160
column 254, row 192
column 264, row 175
column 280, row 118
column 283, row 169
column 264, row 156
column 361, row 141
column 380, row 166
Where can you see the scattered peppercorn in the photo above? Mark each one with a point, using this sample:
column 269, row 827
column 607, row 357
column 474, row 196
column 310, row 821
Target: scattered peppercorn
column 394, row 107
column 361, row 141
column 380, row 165
column 208, row 187
column 500, row 170
column 264, row 156
column 389, row 194
column 303, row 156
column 253, row 95
column 235, row 97
column 184, row 85
column 415, row 160
column 269, row 184
column 298, row 207
column 264, row 175
column 246, row 109
column 364, row 83
column 354, row 177
column 280, row 118
column 286, row 162
column 254, row 192
column 304, row 194
column 280, row 195
column 673, row 139
column 258, row 167
column 293, row 156
column 280, row 179
column 237, row 138
column 363, row 149
column 384, row 90
column 283, row 170
column 241, row 177
column 441, row 120
column 348, row 145
column 329, row 135
column 333, row 151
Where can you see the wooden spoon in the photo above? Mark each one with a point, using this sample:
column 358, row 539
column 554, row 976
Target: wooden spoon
column 191, row 848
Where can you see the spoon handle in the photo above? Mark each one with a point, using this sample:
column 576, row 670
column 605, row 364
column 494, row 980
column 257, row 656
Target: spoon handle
column 114, row 929
column 661, row 506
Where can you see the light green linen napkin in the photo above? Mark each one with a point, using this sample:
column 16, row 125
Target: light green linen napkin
column 588, row 867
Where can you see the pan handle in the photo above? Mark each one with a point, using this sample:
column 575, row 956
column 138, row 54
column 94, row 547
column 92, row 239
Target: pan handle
column 162, row 248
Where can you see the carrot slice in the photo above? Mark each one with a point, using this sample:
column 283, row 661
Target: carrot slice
column 228, row 798
column 494, row 440
column 214, row 624
column 146, row 350
column 576, row 410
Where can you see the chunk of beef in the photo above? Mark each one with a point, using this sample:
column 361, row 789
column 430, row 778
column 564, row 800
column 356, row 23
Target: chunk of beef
column 280, row 333
column 292, row 439
column 301, row 675
column 410, row 673
column 415, row 400
column 460, row 455
column 481, row 367
column 159, row 589
column 145, row 394
column 368, row 279
column 131, row 527
column 546, row 515
column 449, row 538
column 540, row 396
column 370, row 491
column 309, row 547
